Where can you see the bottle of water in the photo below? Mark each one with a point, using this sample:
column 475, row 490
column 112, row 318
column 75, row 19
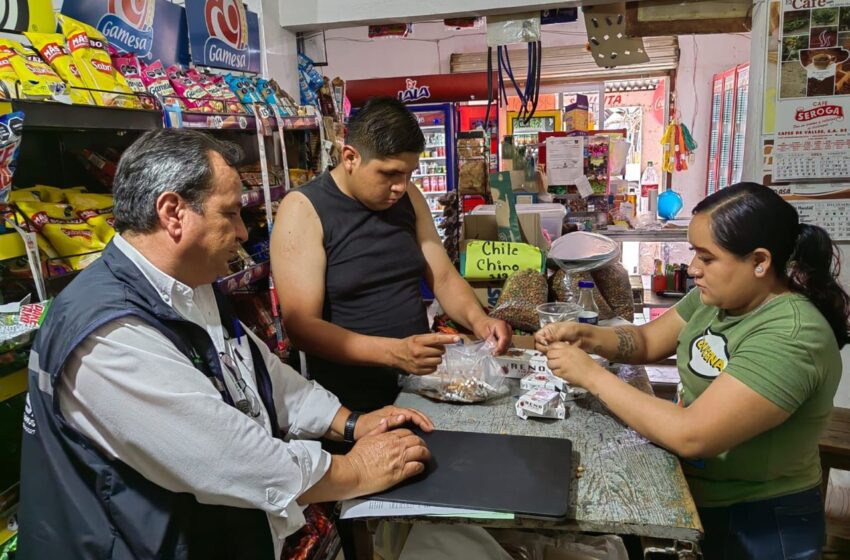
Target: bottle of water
column 589, row 310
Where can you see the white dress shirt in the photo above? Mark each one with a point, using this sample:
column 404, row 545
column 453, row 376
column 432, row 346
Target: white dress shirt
column 129, row 390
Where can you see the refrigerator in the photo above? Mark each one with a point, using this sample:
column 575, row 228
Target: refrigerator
column 524, row 133
column 437, row 173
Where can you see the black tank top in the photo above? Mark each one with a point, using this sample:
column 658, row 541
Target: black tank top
column 372, row 279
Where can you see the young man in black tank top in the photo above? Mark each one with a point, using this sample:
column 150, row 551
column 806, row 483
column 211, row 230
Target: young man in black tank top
column 348, row 252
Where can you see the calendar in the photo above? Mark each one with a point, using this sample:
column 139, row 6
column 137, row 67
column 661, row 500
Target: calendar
column 789, row 165
column 831, row 215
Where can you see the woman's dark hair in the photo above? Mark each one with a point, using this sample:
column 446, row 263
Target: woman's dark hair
column 383, row 127
column 748, row 216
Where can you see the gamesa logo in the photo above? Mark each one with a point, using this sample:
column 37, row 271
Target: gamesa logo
column 128, row 25
column 227, row 27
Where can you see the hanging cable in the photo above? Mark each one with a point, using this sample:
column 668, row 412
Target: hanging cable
column 489, row 88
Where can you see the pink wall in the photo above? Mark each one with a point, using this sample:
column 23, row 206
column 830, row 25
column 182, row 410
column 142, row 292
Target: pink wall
column 352, row 55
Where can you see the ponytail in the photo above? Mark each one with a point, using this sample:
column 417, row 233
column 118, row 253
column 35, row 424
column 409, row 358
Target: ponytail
column 813, row 271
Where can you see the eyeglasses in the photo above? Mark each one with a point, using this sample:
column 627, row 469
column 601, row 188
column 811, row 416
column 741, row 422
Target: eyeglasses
column 247, row 401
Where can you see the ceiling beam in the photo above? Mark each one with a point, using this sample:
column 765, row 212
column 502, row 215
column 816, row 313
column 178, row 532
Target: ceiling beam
column 301, row 15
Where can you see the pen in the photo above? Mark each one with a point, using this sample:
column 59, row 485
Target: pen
column 237, row 328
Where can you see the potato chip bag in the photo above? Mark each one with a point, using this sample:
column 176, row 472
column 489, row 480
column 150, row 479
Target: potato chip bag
column 11, row 130
column 38, row 80
column 38, row 193
column 8, row 76
column 194, row 96
column 96, row 210
column 51, row 47
column 88, row 46
column 69, row 234
column 127, row 64
column 154, row 78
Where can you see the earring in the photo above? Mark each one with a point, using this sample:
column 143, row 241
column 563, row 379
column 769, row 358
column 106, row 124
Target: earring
column 759, row 269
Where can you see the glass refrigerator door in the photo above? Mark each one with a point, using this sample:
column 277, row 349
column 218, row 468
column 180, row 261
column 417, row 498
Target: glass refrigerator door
column 435, row 176
column 526, row 132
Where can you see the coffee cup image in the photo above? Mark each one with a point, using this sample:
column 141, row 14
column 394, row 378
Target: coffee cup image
column 822, row 59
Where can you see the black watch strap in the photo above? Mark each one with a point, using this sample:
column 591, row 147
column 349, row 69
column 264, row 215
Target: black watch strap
column 348, row 433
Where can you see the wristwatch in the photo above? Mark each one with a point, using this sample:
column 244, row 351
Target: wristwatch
column 348, row 433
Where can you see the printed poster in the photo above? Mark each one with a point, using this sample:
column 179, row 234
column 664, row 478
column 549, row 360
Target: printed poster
column 223, row 34
column 812, row 129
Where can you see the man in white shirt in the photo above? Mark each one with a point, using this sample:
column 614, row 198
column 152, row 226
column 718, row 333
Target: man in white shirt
column 151, row 421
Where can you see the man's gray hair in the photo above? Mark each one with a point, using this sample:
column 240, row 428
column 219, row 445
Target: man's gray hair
column 166, row 160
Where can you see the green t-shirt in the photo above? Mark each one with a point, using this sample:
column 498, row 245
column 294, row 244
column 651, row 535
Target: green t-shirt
column 786, row 352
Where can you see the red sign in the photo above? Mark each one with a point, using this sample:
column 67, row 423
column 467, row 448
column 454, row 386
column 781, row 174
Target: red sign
column 805, row 115
column 434, row 88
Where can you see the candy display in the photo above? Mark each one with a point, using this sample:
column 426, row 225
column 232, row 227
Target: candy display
column 155, row 80
column 128, row 65
column 193, row 95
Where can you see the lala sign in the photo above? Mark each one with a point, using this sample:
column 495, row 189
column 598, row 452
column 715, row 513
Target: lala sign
column 413, row 93
column 128, row 24
column 227, row 27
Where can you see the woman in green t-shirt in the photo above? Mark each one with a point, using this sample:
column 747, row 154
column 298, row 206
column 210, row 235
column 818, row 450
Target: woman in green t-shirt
column 757, row 345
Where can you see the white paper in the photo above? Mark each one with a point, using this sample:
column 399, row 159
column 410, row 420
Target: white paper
column 564, row 160
column 584, row 188
column 353, row 509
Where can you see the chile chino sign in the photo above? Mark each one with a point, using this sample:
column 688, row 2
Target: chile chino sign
column 224, row 35
column 151, row 29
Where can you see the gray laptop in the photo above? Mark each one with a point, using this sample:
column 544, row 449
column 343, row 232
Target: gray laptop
column 527, row 476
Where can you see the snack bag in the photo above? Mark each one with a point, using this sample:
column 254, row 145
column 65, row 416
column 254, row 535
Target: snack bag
column 96, row 210
column 69, row 234
column 194, row 96
column 11, row 128
column 244, row 89
column 218, row 91
column 38, row 80
column 128, row 66
column 38, row 193
column 51, row 47
column 8, row 76
column 217, row 85
column 155, row 80
column 88, row 46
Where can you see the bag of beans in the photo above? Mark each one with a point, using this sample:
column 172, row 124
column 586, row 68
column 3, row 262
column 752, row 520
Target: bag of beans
column 522, row 293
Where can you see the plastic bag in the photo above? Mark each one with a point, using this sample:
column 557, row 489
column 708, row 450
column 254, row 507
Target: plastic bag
column 523, row 292
column 468, row 374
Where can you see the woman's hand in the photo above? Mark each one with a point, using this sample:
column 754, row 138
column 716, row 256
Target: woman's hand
column 571, row 363
column 565, row 331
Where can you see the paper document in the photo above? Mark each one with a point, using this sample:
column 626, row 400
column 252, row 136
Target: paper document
column 352, row 509
column 564, row 160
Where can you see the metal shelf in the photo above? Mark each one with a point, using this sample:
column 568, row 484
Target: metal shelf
column 433, row 127
column 432, row 158
column 426, row 193
column 48, row 115
column 648, row 236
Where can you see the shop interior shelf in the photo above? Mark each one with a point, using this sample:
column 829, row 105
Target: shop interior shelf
column 671, row 235
column 244, row 278
column 255, row 196
column 55, row 116
column 13, row 384
column 433, row 193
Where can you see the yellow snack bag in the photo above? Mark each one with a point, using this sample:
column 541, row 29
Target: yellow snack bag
column 8, row 76
column 69, row 234
column 38, row 80
column 48, row 253
column 88, row 46
column 51, row 47
column 96, row 210
column 38, row 193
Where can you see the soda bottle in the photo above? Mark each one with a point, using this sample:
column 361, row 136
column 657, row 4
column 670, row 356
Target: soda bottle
column 589, row 310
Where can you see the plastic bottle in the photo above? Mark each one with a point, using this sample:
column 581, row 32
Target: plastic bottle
column 589, row 310
column 649, row 188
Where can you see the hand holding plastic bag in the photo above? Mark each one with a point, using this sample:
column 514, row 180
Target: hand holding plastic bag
column 468, row 374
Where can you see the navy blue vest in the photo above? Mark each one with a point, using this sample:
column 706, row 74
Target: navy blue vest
column 76, row 503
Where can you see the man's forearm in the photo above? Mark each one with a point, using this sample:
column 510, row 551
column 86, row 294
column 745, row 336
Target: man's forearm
column 458, row 301
column 339, row 483
column 334, row 343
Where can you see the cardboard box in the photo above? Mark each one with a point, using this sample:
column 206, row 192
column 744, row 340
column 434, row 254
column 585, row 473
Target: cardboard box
column 484, row 227
column 575, row 115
